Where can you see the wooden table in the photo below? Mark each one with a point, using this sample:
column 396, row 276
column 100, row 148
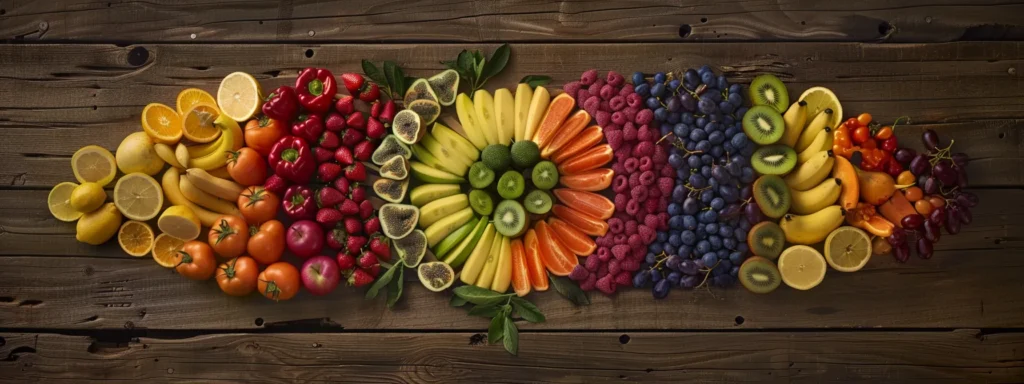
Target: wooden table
column 78, row 72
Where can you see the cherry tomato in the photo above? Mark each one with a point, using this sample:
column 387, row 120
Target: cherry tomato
column 913, row 194
column 861, row 135
column 266, row 242
column 247, row 167
column 262, row 133
column 280, row 281
column 237, row 277
column 852, row 123
column 890, row 145
column 864, row 119
column 937, row 201
column 905, row 177
column 195, row 260
column 883, row 133
column 923, row 207
column 258, row 204
column 229, row 236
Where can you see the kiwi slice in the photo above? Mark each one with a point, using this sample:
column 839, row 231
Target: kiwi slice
column 511, row 185
column 480, row 176
column 766, row 239
column 775, row 159
column 759, row 275
column 538, row 202
column 772, row 195
column 545, row 175
column 481, row 202
column 768, row 90
column 510, row 218
column 763, row 124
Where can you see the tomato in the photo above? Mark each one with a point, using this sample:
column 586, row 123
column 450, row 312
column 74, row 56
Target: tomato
column 247, row 167
column 258, row 204
column 864, row 119
column 262, row 133
column 229, row 236
column 195, row 260
column 883, row 133
column 861, row 135
column 266, row 243
column 237, row 277
column 905, row 177
column 852, row 123
column 869, row 144
column 280, row 281
column 913, row 194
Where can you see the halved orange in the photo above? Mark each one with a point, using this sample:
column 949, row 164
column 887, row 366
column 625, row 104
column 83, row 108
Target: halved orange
column 135, row 238
column 197, row 124
column 586, row 202
column 575, row 240
column 161, row 123
column 192, row 96
column 165, row 248
column 534, row 264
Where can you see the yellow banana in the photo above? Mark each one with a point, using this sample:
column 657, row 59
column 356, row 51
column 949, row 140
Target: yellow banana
column 816, row 125
column 524, row 95
column 795, row 119
column 181, row 154
column 477, row 259
column 822, row 142
column 817, row 198
column 503, row 271
column 226, row 124
column 221, row 172
column 166, row 153
column 483, row 103
column 219, row 157
column 200, row 150
column 811, row 173
column 224, row 189
column 538, row 107
column 467, row 117
column 491, row 266
column 172, row 191
column 206, row 200
column 504, row 115
column 813, row 228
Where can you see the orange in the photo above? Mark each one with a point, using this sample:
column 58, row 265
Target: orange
column 553, row 253
column 534, row 264
column 558, row 110
column 592, row 181
column 584, row 222
column 165, row 248
column 520, row 270
column 575, row 240
column 192, row 96
column 135, row 238
column 593, row 158
column 582, row 142
column 197, row 124
column 569, row 129
column 161, row 123
column 586, row 202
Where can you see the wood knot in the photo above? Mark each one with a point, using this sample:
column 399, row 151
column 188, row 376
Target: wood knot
column 138, row 56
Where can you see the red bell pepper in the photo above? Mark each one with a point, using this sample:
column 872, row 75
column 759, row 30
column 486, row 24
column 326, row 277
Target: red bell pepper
column 292, row 159
column 842, row 144
column 316, row 88
column 282, row 104
column 299, row 203
column 308, row 127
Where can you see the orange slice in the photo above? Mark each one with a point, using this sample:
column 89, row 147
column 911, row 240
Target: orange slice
column 197, row 124
column 552, row 252
column 587, row 202
column 592, row 181
column 566, row 133
column 534, row 264
column 582, row 142
column 558, row 110
column 135, row 238
column 161, row 123
column 520, row 269
column 593, row 158
column 192, row 96
column 575, row 240
column 582, row 221
column 165, row 248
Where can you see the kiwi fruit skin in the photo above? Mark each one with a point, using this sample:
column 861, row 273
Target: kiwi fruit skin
column 536, row 195
column 497, row 157
column 759, row 275
column 511, row 185
column 770, row 91
column 481, row 202
column 772, row 195
column 525, row 154
column 540, row 180
column 754, row 124
column 480, row 176
column 767, row 230
column 775, row 159
column 510, row 210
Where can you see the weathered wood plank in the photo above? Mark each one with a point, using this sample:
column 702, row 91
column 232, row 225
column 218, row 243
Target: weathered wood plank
column 507, row 20
column 661, row 357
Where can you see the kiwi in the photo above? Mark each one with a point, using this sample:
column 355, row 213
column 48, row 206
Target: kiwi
column 511, row 185
column 766, row 239
column 480, row 176
column 545, row 175
column 763, row 124
column 510, row 218
column 481, row 202
column 759, row 275
column 772, row 196
column 497, row 157
column 768, row 90
column 537, row 202
column 775, row 159
column 525, row 154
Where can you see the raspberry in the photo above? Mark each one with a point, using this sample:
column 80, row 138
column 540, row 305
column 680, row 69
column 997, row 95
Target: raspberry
column 633, row 207
column 646, row 233
column 653, row 193
column 613, row 267
column 630, row 265
column 644, row 116
column 645, row 133
column 652, row 205
column 631, row 164
column 620, row 184
column 634, row 180
column 623, row 153
column 626, row 90
column 579, row 273
column 618, row 168
column 630, row 113
column 595, row 88
column 620, row 201
column 612, row 126
column 592, row 105
column 631, row 227
column 638, row 253
column 629, row 131
column 604, row 241
column 614, row 139
column 651, row 220
column 643, row 148
column 638, row 193
column 662, row 221
column 615, row 225
column 660, row 155
column 602, row 271
column 620, row 239
column 620, row 251
column 618, row 118
column 607, row 91
column 668, row 171
column 606, row 285
column 599, row 83
column 573, row 88
column 605, row 106
column 614, row 79
column 647, row 178
column 623, row 279
column 582, row 96
column 602, row 117
column 592, row 263
column 588, row 77
column 617, row 103
column 589, row 284
column 633, row 100
column 646, row 165
column 665, row 185
column 635, row 241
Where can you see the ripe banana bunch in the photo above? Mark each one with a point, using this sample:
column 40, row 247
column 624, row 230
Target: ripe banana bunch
column 215, row 154
column 224, row 189
column 812, row 228
column 811, row 173
column 205, row 199
column 171, row 183
column 817, row 198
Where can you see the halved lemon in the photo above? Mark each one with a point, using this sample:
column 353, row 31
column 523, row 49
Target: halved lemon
column 197, row 124
column 165, row 248
column 135, row 238
column 179, row 221
column 239, row 96
column 192, row 96
column 802, row 267
column 59, row 201
column 848, row 249
column 93, row 163
column 820, row 98
column 138, row 196
column 161, row 123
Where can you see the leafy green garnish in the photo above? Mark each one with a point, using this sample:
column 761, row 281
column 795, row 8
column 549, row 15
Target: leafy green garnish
column 475, row 70
column 392, row 80
column 535, row 81
column 499, row 307
column 394, row 280
column 569, row 290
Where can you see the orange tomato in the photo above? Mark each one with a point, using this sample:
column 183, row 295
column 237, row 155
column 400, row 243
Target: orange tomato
column 266, row 242
column 229, row 236
column 258, row 204
column 864, row 119
column 195, row 260
column 237, row 277
column 247, row 167
column 905, row 177
column 534, row 263
column 280, row 281
column 924, row 207
column 913, row 194
column 262, row 133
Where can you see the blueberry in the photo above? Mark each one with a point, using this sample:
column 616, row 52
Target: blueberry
column 697, row 181
column 729, row 243
column 651, row 257
column 741, row 111
column 742, row 248
column 682, row 174
column 689, row 145
column 673, row 85
column 638, row 78
column 660, row 77
column 729, row 193
column 687, row 118
column 681, row 130
column 672, row 118
column 717, row 203
column 698, row 134
column 707, row 159
column 676, row 161
column 713, row 183
column 711, row 228
column 642, row 89
column 704, row 69
column 712, row 216
column 702, row 247
column 725, row 230
column 675, row 222
column 652, row 103
column 665, row 129
column 703, row 146
column 661, row 237
column 670, row 249
column 740, row 234
column 701, row 122
column 716, row 138
column 656, row 276
column 735, row 99
column 747, row 175
column 736, row 258
column 705, row 170
column 660, row 114
column 708, row 78
column 712, row 127
column 723, row 83
column 685, row 250
column 737, row 90
column 693, row 161
column 716, row 242
column 679, row 194
column 675, row 209
column 738, row 140
column 689, row 222
column 707, row 196
column 658, row 88
column 709, row 258
column 675, row 241
column 700, row 232
column 656, row 248
column 641, row 278
column 688, row 237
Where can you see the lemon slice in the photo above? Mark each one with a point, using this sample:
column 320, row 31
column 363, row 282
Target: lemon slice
column 93, row 163
column 192, row 96
column 138, row 196
column 820, row 98
column 802, row 267
column 165, row 248
column 135, row 237
column 161, row 123
column 59, row 201
column 179, row 221
column 197, row 124
column 847, row 249
column 239, row 96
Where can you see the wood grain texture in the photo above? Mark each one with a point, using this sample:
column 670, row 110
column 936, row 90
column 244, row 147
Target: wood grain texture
column 511, row 20
column 657, row 357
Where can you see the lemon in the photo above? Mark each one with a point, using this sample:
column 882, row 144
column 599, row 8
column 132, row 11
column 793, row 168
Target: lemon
column 59, row 201
column 847, row 249
column 192, row 96
column 98, row 226
column 802, row 267
column 179, row 221
column 136, row 154
column 93, row 163
column 820, row 98
column 87, row 197
column 135, row 237
column 165, row 248
column 239, row 96
column 138, row 196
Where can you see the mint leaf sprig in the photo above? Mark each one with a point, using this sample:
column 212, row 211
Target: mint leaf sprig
column 499, row 307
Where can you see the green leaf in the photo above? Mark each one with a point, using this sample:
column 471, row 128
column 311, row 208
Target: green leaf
column 389, row 73
column 465, row 61
column 484, row 311
column 457, row 301
column 400, row 84
column 569, row 290
column 451, row 64
column 381, row 282
column 527, row 310
column 373, row 72
column 497, row 329
column 496, row 63
column 511, row 337
column 396, row 287
column 535, row 81
column 478, row 68
column 479, row 296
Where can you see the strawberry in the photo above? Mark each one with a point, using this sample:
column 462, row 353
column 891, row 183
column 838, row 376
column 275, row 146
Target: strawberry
column 381, row 247
column 354, row 226
column 322, row 155
column 374, row 270
column 388, row 114
column 375, row 109
column 356, row 172
column 375, row 129
column 343, row 155
column 345, row 105
column 363, row 150
column 329, row 197
column 350, row 137
column 367, row 259
column 342, row 185
column 358, row 193
column 276, row 184
column 365, row 209
column 356, row 120
column 353, row 82
column 372, row 225
column 337, row 239
column 354, row 243
column 359, row 278
column 328, row 217
column 346, row 262
column 370, row 93
column 348, row 207
column 329, row 140
column 328, row 172
column 334, row 122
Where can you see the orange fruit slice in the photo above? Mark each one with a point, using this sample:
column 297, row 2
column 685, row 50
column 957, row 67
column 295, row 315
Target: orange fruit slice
column 582, row 221
column 582, row 142
column 587, row 202
column 593, row 158
column 558, row 110
column 135, row 238
column 569, row 129
column 592, row 181
column 192, row 96
column 197, row 124
column 520, row 269
column 552, row 252
column 575, row 240
column 534, row 264
column 165, row 248
column 161, row 123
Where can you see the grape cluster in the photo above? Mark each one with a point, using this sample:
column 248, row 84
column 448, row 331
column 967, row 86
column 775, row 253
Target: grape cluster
column 701, row 116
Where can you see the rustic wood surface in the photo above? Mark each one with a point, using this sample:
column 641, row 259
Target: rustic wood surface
column 79, row 72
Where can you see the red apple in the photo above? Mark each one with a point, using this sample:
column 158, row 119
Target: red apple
column 320, row 275
column 305, row 238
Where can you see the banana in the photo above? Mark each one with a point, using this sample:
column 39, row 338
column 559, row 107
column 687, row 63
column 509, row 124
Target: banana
column 817, row 198
column 219, row 157
column 452, row 139
column 181, row 154
column 538, row 107
column 477, row 259
column 438, row 209
column 795, row 118
column 227, row 124
column 491, row 266
column 441, row 228
column 811, row 173
column 524, row 95
column 822, row 142
column 467, row 117
column 206, row 200
column 224, row 189
column 166, row 153
column 505, row 115
column 483, row 103
column 503, row 271
column 813, row 228
column 816, row 125
column 221, row 172
column 172, row 191
column 200, row 150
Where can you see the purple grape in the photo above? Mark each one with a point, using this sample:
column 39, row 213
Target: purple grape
column 897, row 237
column 965, row 215
column 952, row 221
column 938, row 216
column 913, row 222
column 905, row 155
column 924, row 248
column 746, row 192
column 930, row 139
column 688, row 102
column 689, row 281
column 967, row 199
column 901, row 252
column 731, row 211
column 961, row 177
column 753, row 213
column 931, row 185
column 932, row 231
column 688, row 267
column 944, row 171
column 919, row 165
column 661, row 288
column 960, row 159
